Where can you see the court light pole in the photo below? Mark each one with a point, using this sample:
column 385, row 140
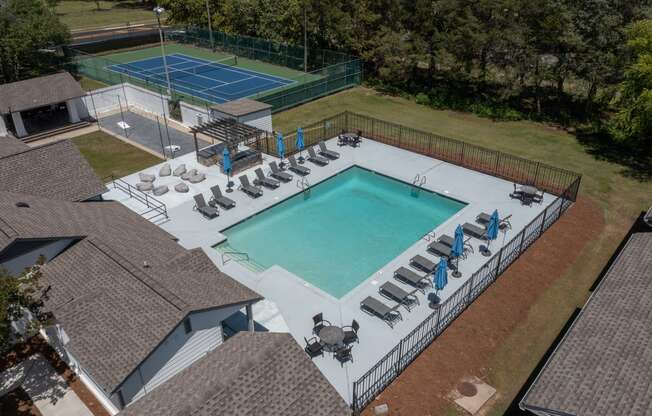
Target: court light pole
column 158, row 10
column 305, row 39
column 210, row 23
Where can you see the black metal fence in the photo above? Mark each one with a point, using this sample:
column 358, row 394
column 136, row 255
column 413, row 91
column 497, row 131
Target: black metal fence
column 502, row 165
column 560, row 182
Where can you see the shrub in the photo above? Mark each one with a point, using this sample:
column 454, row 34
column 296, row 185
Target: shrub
column 423, row 99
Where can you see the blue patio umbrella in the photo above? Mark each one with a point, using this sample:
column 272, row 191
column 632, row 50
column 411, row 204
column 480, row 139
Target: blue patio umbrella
column 226, row 165
column 280, row 146
column 492, row 228
column 441, row 277
column 458, row 249
column 299, row 142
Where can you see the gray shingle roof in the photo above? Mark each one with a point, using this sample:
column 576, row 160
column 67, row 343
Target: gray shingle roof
column 55, row 170
column 10, row 145
column 250, row 374
column 603, row 365
column 241, row 107
column 101, row 284
column 37, row 92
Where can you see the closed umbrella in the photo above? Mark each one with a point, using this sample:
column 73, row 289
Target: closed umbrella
column 440, row 278
column 226, row 165
column 280, row 147
column 492, row 229
column 299, row 143
column 458, row 249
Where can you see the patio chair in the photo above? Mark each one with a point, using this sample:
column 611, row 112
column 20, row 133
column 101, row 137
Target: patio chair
column 318, row 323
column 265, row 181
column 181, row 187
column 248, row 188
column 146, row 177
column 313, row 347
column 392, row 292
column 318, row 160
column 278, row 173
column 351, row 332
column 180, row 170
column 423, row 264
column 165, row 170
column 189, row 174
column 331, row 154
column 296, row 168
column 219, row 199
column 440, row 249
column 474, row 231
column 145, row 186
column 205, row 210
column 196, row 178
column 373, row 306
column 484, row 218
column 160, row 190
column 343, row 355
column 408, row 276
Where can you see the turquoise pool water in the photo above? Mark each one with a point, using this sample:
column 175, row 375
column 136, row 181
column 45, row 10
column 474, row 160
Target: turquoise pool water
column 346, row 229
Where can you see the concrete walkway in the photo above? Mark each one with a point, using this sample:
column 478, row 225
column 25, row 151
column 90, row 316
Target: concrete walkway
column 47, row 389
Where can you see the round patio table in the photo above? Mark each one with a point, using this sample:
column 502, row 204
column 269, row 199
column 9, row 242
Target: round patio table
column 331, row 335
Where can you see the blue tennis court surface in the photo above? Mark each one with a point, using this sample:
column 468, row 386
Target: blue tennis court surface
column 216, row 82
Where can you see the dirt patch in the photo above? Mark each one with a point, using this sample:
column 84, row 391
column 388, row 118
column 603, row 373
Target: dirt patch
column 38, row 345
column 466, row 346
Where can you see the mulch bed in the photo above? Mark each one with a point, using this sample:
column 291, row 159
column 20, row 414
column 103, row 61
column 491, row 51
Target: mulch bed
column 17, row 403
column 466, row 345
column 37, row 345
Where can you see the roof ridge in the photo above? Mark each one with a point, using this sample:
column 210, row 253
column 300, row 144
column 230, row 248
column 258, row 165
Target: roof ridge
column 41, row 146
column 139, row 274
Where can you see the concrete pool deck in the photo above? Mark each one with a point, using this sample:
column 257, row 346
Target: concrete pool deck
column 296, row 300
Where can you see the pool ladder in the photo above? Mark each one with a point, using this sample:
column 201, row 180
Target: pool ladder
column 418, row 182
column 303, row 184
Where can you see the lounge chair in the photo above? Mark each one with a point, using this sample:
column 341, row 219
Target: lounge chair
column 474, row 231
column 331, row 154
column 205, row 210
column 294, row 167
column 318, row 323
column 248, row 188
column 219, row 199
column 351, row 332
column 389, row 315
column 423, row 263
column 343, row 355
column 446, row 239
column 265, row 181
column 484, row 218
column 395, row 293
column 313, row 347
column 318, row 160
column 408, row 276
column 278, row 173
column 439, row 249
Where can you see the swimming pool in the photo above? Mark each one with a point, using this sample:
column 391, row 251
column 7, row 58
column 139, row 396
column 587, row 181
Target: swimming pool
column 344, row 230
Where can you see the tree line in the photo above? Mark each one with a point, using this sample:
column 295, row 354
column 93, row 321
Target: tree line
column 562, row 60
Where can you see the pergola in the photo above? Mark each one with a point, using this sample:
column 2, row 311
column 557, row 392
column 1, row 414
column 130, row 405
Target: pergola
column 230, row 132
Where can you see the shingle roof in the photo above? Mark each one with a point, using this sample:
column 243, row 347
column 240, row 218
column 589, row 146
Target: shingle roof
column 241, row 107
column 55, row 170
column 37, row 92
column 250, row 374
column 10, row 145
column 603, row 364
column 101, row 283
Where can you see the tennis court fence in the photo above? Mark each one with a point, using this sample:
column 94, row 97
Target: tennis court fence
column 328, row 71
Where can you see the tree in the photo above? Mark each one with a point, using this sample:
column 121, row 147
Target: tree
column 18, row 294
column 634, row 119
column 30, row 32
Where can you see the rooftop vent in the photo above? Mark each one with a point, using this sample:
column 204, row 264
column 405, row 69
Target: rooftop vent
column 22, row 204
column 146, row 264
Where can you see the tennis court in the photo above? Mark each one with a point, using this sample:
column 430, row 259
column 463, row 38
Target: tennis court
column 213, row 81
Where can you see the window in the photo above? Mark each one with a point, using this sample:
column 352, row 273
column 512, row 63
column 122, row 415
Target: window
column 187, row 325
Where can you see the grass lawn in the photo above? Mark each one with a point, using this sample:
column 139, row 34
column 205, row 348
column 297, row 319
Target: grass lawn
column 110, row 156
column 85, row 14
column 620, row 190
column 89, row 84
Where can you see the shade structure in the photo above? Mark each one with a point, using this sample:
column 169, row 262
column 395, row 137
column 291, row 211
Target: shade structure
column 299, row 142
column 280, row 146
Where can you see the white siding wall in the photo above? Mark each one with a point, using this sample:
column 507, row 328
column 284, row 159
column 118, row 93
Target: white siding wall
column 16, row 265
column 177, row 352
column 80, row 105
column 106, row 100
column 3, row 127
column 260, row 119
column 146, row 100
column 191, row 113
